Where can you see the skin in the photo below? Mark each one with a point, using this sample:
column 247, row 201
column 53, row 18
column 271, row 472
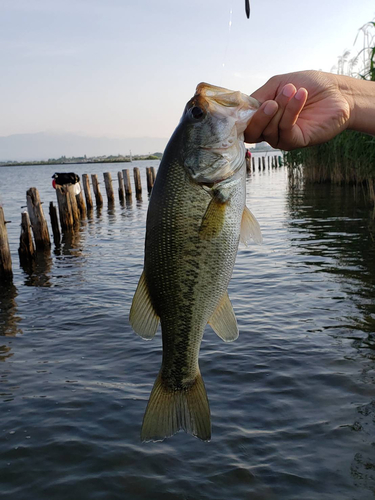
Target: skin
column 310, row 107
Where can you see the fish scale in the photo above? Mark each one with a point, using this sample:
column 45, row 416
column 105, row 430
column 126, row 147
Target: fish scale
column 193, row 229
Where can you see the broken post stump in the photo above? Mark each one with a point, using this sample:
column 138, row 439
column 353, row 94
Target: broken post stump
column 26, row 250
column 109, row 187
column 97, row 193
column 54, row 223
column 127, row 183
column 81, row 203
column 121, row 189
column 37, row 220
column 86, row 187
column 6, row 272
column 150, row 179
column 68, row 209
column 137, row 182
column 153, row 175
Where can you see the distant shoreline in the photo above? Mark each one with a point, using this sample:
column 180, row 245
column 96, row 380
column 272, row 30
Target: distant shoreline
column 38, row 163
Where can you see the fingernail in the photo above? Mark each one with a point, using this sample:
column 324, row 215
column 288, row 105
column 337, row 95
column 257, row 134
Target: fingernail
column 270, row 108
column 300, row 94
column 288, row 90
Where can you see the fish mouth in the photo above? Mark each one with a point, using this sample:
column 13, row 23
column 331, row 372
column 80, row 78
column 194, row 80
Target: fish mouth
column 225, row 97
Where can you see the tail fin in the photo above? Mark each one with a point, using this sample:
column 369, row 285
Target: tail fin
column 171, row 410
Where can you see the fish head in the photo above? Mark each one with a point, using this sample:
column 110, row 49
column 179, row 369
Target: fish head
column 214, row 122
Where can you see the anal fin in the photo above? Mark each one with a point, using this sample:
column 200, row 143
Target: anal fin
column 223, row 321
column 250, row 228
column 143, row 317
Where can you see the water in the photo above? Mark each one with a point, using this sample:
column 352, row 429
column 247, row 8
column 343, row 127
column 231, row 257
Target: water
column 292, row 400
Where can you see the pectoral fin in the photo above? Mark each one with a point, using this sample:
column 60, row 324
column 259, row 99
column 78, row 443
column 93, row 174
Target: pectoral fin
column 250, row 228
column 223, row 321
column 213, row 219
column 143, row 317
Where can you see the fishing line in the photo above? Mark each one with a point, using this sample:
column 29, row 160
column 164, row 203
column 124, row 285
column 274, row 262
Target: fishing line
column 227, row 44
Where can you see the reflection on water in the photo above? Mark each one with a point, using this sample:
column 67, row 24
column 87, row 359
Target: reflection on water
column 8, row 312
column 38, row 271
column 336, row 236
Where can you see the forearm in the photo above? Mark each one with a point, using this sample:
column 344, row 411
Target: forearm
column 360, row 95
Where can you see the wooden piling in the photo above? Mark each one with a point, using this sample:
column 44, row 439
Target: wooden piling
column 137, row 182
column 68, row 209
column 26, row 251
column 153, row 171
column 121, row 189
column 253, row 163
column 54, row 223
column 263, row 162
column 6, row 272
column 248, row 164
column 98, row 194
column 150, row 179
column 37, row 220
column 86, row 187
column 127, row 183
column 81, row 203
column 109, row 187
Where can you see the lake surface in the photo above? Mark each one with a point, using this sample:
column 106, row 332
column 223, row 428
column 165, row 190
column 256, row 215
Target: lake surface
column 292, row 400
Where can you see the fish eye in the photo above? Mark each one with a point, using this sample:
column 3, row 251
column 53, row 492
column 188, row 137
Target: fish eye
column 196, row 112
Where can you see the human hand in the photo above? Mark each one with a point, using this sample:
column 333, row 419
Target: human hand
column 299, row 109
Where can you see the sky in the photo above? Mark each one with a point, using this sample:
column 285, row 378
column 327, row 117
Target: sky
column 121, row 68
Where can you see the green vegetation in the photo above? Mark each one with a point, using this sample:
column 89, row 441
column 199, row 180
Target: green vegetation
column 350, row 157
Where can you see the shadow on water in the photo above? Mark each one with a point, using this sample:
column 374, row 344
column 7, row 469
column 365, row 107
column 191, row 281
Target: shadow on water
column 38, row 271
column 8, row 315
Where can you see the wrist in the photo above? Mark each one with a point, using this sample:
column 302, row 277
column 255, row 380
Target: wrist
column 360, row 96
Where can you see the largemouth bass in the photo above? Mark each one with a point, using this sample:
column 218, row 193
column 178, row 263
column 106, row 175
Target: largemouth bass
column 196, row 217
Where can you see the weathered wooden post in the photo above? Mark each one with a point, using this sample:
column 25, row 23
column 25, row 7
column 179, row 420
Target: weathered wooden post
column 109, row 187
column 37, row 219
column 6, row 272
column 98, row 194
column 264, row 162
column 81, row 202
column 259, row 163
column 137, row 182
column 54, row 223
column 68, row 209
column 253, row 163
column 121, row 190
column 248, row 164
column 127, row 183
column 150, row 180
column 153, row 170
column 26, row 249
column 86, row 187
column 280, row 161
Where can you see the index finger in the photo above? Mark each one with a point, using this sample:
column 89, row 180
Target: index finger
column 259, row 121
